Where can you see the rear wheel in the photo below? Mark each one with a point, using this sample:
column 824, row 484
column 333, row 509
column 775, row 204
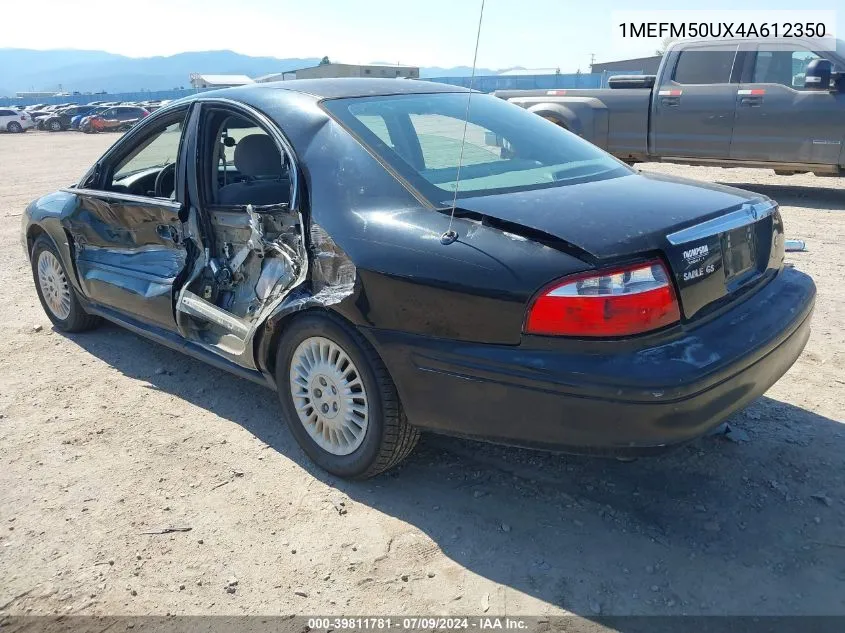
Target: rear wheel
column 57, row 296
column 338, row 399
column 14, row 127
column 55, row 125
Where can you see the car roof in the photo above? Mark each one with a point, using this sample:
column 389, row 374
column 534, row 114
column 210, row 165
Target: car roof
column 345, row 87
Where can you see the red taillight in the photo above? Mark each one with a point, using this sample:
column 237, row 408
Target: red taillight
column 618, row 302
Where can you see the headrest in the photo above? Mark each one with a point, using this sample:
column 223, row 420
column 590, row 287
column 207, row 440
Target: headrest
column 257, row 155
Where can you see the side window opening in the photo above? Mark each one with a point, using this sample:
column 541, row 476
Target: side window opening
column 784, row 66
column 244, row 162
column 698, row 66
column 149, row 168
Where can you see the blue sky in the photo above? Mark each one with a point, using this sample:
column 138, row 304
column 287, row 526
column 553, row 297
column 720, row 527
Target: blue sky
column 531, row 33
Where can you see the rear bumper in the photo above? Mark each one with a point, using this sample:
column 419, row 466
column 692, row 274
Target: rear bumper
column 611, row 397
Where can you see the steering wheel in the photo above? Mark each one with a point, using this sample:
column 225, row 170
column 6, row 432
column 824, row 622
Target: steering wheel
column 165, row 183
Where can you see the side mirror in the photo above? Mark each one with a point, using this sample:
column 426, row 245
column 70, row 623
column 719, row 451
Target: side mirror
column 818, row 74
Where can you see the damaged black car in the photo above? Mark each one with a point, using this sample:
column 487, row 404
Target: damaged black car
column 397, row 256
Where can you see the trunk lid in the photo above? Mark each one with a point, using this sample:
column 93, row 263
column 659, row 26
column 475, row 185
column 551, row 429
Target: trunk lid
column 717, row 240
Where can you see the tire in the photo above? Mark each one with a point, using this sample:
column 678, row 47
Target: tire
column 54, row 126
column 65, row 312
column 14, row 127
column 387, row 437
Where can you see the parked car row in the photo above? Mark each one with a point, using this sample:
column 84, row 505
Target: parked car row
column 97, row 116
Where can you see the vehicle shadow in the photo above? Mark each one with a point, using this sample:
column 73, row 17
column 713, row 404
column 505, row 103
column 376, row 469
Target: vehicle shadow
column 822, row 198
column 749, row 525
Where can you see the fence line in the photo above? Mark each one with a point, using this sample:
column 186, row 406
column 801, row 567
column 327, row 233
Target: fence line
column 484, row 83
column 141, row 95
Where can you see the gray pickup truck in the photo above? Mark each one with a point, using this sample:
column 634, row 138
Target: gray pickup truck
column 778, row 105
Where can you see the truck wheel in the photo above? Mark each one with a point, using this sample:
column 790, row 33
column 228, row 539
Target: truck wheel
column 14, row 127
column 556, row 121
column 338, row 399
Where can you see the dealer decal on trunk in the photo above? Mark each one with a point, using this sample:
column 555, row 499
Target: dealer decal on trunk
column 695, row 255
column 697, row 261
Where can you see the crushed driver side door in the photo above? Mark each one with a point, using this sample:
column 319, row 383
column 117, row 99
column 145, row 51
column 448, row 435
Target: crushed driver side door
column 127, row 227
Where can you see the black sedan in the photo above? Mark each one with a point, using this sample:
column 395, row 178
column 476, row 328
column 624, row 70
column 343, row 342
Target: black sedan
column 336, row 241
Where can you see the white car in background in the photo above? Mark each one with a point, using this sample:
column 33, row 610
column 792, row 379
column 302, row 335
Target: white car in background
column 13, row 120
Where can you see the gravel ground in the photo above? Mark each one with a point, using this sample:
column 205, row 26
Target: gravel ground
column 108, row 438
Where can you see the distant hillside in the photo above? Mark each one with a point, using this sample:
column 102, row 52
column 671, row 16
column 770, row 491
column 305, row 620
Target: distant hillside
column 93, row 71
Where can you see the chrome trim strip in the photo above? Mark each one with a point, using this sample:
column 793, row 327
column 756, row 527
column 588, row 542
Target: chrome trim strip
column 125, row 197
column 749, row 213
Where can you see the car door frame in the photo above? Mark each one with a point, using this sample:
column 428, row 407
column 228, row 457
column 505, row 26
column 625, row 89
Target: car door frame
column 136, row 280
column 199, row 211
column 823, row 153
column 670, row 93
column 194, row 181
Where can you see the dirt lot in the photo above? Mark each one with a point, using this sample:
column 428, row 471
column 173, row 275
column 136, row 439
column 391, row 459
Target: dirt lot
column 106, row 437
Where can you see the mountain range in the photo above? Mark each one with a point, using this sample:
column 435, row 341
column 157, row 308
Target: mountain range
column 95, row 71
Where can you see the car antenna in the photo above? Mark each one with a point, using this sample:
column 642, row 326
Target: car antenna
column 450, row 235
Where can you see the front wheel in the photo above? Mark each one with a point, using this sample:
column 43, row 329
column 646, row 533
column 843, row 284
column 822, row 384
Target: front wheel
column 14, row 127
column 338, row 399
column 57, row 296
column 55, row 125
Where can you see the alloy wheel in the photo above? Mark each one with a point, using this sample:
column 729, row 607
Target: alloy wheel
column 54, row 285
column 329, row 395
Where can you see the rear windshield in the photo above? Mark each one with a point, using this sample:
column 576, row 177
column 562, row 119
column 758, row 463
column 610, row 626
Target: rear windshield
column 507, row 148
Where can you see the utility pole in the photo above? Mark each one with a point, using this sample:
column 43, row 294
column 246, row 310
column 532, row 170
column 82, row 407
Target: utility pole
column 592, row 61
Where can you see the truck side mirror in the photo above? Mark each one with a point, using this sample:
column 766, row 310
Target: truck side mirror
column 818, row 75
